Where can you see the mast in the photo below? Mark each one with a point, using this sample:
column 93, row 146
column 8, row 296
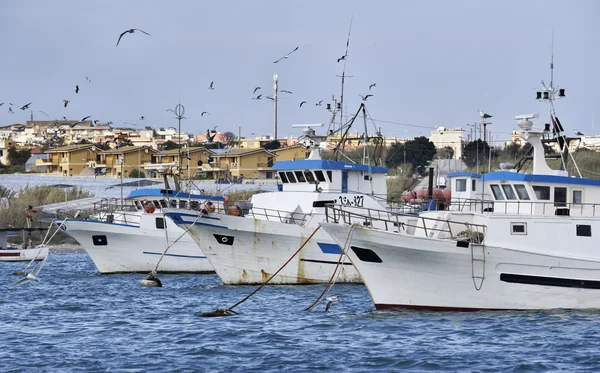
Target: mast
column 275, row 89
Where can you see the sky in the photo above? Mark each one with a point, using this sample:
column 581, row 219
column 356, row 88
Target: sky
column 434, row 63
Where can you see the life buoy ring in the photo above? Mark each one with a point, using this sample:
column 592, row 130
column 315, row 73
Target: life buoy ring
column 93, row 164
column 149, row 208
column 209, row 206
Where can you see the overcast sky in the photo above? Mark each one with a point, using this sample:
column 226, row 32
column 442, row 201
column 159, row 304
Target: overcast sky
column 434, row 62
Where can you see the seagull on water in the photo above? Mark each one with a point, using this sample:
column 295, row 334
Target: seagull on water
column 287, row 55
column 33, row 276
column 131, row 31
column 255, row 89
column 364, row 98
column 331, row 300
column 483, row 115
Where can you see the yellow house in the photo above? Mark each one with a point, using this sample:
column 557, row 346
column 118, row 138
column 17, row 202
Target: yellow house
column 194, row 160
column 242, row 163
column 291, row 153
column 68, row 160
column 125, row 159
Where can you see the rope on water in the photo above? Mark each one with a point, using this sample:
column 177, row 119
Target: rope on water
column 334, row 277
column 44, row 243
column 229, row 311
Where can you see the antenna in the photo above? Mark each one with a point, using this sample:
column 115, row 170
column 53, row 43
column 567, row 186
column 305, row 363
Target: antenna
column 344, row 74
column 552, row 61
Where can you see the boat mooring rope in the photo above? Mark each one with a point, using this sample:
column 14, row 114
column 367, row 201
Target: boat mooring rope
column 229, row 311
column 43, row 245
column 334, row 278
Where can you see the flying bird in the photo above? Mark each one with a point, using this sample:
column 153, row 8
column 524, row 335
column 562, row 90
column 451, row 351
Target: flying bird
column 76, row 89
column 302, row 103
column 66, row 102
column 331, row 300
column 371, row 86
column 287, row 55
column 270, row 98
column 142, row 117
column 320, row 103
column 209, row 138
column 204, row 112
column 1, row 103
column 364, row 98
column 80, row 121
column 483, row 115
column 25, row 107
column 88, row 79
column 46, row 114
column 131, row 31
column 255, row 89
column 342, row 58
column 33, row 276
column 10, row 110
column 257, row 97
column 211, row 86
column 285, row 91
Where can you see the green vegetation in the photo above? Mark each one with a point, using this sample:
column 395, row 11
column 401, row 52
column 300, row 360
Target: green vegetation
column 416, row 152
column 137, row 174
column 271, row 145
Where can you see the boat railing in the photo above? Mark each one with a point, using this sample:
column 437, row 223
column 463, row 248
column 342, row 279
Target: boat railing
column 527, row 207
column 288, row 217
column 409, row 224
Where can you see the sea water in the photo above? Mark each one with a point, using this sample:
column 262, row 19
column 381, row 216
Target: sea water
column 76, row 320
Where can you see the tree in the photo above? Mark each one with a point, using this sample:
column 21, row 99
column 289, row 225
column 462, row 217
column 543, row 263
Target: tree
column 102, row 145
column 18, row 157
column 137, row 173
column 418, row 152
column 230, row 138
column 168, row 145
column 272, row 145
column 476, row 151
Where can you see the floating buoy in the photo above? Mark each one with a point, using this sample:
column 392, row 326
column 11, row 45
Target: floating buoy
column 151, row 281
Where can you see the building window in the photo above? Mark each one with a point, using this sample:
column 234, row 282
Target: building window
column 560, row 196
column 518, row 228
column 521, row 191
column 498, row 196
column 461, row 185
column 577, row 197
column 270, row 162
column 508, row 190
column 268, row 175
column 542, row 193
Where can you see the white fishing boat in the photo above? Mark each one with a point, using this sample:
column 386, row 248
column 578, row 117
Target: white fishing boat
column 509, row 241
column 20, row 253
column 255, row 240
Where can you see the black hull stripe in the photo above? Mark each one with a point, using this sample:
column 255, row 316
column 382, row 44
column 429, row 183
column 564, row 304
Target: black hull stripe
column 550, row 281
column 323, row 262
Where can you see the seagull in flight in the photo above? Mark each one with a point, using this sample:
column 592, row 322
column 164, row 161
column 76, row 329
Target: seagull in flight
column 142, row 117
column 46, row 114
column 364, row 98
column 287, row 55
column 270, row 98
column 66, row 102
column 10, row 110
column 88, row 79
column 76, row 89
column 1, row 103
column 81, row 121
column 204, row 112
column 371, row 86
column 341, row 58
column 25, row 107
column 257, row 97
column 302, row 103
column 33, row 276
column 483, row 115
column 255, row 89
column 212, row 85
column 285, row 91
column 331, row 300
column 320, row 103
column 131, row 31
column 209, row 138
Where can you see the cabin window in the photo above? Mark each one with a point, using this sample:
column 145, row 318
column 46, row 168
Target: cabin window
column 329, row 175
column 461, row 185
column 300, row 176
column 560, row 196
column 160, row 223
column 138, row 205
column 577, row 197
column 291, row 177
column 309, row 176
column 542, row 193
column 182, row 204
column 497, row 192
column 173, row 203
column 99, row 240
column 473, row 185
column 584, row 230
column 518, row 228
column 195, row 205
column 320, row 176
column 508, row 191
column 283, row 178
column 521, row 191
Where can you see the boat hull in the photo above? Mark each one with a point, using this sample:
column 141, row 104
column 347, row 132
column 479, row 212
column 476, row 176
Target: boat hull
column 121, row 248
column 247, row 251
column 410, row 272
column 22, row 255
